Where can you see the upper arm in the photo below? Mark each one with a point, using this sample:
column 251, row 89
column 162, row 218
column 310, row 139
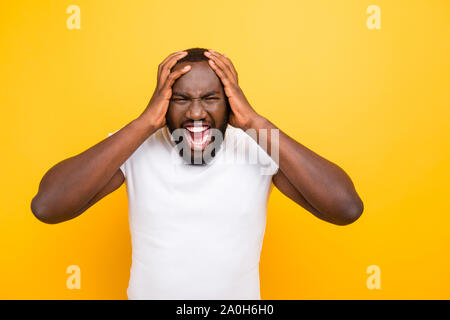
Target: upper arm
column 285, row 186
column 112, row 185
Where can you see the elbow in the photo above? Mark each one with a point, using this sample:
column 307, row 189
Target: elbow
column 351, row 212
column 41, row 212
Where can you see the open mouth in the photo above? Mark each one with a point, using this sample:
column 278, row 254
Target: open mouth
column 197, row 134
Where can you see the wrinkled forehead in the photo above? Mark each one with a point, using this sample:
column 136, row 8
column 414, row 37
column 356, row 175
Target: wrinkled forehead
column 199, row 80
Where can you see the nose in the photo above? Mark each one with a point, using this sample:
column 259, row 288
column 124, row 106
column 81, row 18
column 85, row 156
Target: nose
column 196, row 110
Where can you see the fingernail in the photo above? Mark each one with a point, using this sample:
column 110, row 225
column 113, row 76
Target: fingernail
column 186, row 67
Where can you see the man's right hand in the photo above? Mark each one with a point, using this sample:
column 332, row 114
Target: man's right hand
column 73, row 185
column 155, row 113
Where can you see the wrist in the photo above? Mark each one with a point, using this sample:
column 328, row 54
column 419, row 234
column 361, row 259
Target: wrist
column 257, row 122
column 145, row 124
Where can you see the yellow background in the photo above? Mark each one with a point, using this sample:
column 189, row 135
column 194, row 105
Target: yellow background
column 376, row 102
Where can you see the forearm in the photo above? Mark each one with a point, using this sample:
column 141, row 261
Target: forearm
column 324, row 185
column 72, row 183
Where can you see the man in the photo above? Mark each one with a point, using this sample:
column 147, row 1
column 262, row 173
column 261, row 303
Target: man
column 197, row 221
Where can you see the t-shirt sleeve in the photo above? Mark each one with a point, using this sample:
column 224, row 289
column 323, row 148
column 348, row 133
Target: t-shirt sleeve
column 123, row 166
column 268, row 164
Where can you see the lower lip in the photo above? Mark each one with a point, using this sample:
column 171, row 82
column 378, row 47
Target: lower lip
column 202, row 139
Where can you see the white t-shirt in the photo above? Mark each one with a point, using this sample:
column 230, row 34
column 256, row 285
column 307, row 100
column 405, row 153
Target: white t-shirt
column 197, row 230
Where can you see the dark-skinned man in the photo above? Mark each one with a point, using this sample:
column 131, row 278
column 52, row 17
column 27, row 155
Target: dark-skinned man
column 197, row 220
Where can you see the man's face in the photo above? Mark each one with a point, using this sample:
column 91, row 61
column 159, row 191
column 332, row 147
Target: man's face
column 198, row 104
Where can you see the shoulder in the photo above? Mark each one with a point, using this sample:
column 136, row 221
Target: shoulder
column 245, row 145
column 236, row 135
column 156, row 144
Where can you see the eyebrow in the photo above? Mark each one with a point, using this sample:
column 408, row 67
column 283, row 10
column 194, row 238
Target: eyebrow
column 210, row 93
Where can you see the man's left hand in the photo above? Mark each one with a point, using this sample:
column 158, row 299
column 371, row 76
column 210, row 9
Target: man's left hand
column 242, row 114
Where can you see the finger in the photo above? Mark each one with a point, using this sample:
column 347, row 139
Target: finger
column 171, row 78
column 176, row 55
column 226, row 61
column 222, row 66
column 167, row 68
column 170, row 56
column 216, row 57
column 230, row 64
column 225, row 80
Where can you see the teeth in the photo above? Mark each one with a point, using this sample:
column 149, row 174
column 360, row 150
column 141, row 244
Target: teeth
column 196, row 129
column 195, row 141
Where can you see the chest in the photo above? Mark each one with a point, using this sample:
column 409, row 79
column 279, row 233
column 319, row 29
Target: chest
column 195, row 195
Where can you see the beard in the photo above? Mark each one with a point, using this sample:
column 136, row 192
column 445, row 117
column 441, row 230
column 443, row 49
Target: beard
column 203, row 156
